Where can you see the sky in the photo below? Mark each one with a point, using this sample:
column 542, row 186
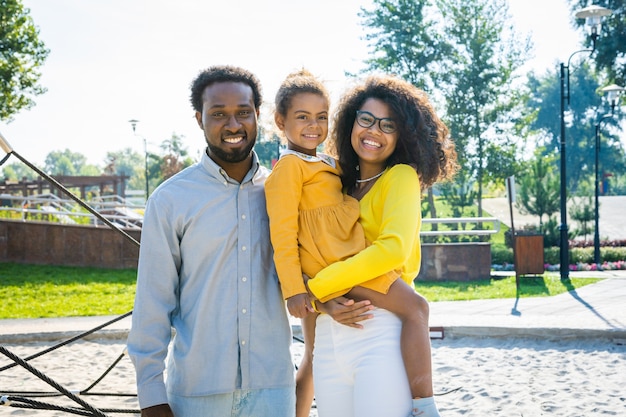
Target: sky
column 116, row 60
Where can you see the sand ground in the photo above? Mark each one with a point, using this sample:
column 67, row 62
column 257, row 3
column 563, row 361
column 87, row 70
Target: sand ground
column 476, row 376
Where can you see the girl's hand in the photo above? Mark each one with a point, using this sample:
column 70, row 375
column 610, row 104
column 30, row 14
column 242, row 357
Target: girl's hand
column 306, row 279
column 347, row 312
column 299, row 305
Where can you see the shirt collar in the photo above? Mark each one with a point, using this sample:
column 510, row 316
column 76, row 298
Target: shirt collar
column 255, row 174
column 320, row 157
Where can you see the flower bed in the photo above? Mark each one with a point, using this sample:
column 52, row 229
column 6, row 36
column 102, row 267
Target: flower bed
column 580, row 266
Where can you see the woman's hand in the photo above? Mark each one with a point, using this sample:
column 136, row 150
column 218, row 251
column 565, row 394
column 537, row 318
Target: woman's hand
column 346, row 311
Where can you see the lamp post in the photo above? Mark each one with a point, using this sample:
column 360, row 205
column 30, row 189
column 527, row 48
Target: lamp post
column 593, row 17
column 133, row 123
column 612, row 91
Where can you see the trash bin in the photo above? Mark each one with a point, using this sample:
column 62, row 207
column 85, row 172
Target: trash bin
column 528, row 253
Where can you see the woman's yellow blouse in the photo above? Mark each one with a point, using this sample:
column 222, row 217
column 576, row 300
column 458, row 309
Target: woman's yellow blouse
column 391, row 219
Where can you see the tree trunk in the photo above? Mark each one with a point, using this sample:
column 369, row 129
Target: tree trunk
column 433, row 209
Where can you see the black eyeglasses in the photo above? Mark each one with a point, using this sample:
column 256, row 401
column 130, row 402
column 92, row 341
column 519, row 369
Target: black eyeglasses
column 367, row 119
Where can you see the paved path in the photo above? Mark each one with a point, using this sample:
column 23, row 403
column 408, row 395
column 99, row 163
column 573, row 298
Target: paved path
column 611, row 215
column 596, row 310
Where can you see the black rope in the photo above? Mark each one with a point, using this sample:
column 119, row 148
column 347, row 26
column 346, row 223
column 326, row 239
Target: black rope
column 27, row 403
column 70, row 340
column 32, row 393
column 109, row 369
column 94, row 411
column 91, row 411
column 19, row 402
column 6, row 157
column 120, row 410
column 449, row 391
column 45, row 394
column 73, row 197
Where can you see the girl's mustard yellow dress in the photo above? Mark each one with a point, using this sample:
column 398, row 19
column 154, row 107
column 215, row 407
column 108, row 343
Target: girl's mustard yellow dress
column 312, row 222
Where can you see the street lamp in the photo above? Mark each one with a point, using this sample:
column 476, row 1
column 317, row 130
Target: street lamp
column 133, row 123
column 612, row 91
column 593, row 17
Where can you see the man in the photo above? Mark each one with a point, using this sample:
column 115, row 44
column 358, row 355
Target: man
column 205, row 270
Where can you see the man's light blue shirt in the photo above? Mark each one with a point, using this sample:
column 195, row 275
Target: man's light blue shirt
column 206, row 270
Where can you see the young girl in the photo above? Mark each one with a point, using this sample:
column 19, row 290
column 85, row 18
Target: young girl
column 391, row 145
column 314, row 224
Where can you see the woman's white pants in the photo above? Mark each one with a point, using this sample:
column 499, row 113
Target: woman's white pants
column 360, row 372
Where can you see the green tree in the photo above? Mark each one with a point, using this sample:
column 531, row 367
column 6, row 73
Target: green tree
column 17, row 171
column 175, row 157
column 64, row 162
column 617, row 186
column 268, row 144
column 406, row 42
column 501, row 158
column 21, row 56
column 582, row 211
column 478, row 92
column 127, row 162
column 610, row 55
column 551, row 232
column 539, row 188
column 90, row 170
column 460, row 194
column 585, row 107
column 267, row 150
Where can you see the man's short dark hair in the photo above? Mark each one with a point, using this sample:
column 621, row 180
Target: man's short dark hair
column 223, row 73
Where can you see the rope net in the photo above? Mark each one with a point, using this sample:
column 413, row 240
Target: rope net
column 64, row 397
column 75, row 400
column 76, row 359
column 25, row 399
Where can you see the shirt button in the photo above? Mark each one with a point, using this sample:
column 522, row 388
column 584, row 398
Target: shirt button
column 243, row 216
column 243, row 248
column 244, row 279
column 243, row 342
column 244, row 311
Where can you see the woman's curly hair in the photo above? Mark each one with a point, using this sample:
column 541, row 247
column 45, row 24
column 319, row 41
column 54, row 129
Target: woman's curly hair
column 423, row 139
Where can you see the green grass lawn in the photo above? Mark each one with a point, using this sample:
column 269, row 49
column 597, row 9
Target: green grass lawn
column 33, row 291
column 30, row 291
column 543, row 286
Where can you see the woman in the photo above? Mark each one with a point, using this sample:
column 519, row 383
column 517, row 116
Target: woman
column 391, row 145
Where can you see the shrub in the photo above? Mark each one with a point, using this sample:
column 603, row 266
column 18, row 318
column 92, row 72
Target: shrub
column 613, row 254
column 501, row 254
column 552, row 255
column 581, row 255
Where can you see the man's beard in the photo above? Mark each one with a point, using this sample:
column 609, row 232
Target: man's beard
column 233, row 156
